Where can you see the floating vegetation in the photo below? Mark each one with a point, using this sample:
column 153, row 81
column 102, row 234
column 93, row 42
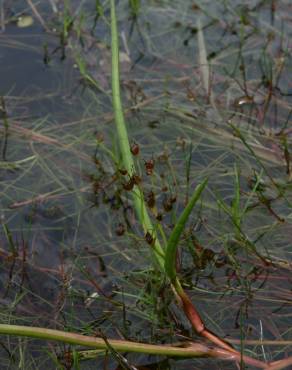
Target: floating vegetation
column 24, row 21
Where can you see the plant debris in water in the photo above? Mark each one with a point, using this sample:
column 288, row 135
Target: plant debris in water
column 202, row 99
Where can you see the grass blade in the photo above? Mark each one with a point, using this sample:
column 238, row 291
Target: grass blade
column 203, row 61
column 170, row 254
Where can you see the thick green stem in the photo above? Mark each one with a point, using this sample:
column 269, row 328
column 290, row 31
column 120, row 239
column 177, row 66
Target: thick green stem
column 187, row 349
column 124, row 145
column 192, row 350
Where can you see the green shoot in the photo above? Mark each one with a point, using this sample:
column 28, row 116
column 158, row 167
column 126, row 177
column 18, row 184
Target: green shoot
column 170, row 253
column 124, row 145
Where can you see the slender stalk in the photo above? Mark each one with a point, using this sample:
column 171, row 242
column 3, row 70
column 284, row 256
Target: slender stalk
column 187, row 349
column 124, row 145
column 190, row 349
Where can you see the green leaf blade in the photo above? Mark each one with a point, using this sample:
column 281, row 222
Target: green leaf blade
column 170, row 253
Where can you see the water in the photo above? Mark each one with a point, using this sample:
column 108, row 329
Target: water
column 62, row 196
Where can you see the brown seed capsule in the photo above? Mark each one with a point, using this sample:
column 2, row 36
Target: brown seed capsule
column 190, row 95
column 167, row 204
column 96, row 161
column 120, row 229
column 96, row 186
column 129, row 185
column 173, row 199
column 149, row 238
column 135, row 149
column 149, row 166
column 150, row 199
column 99, row 137
column 159, row 217
column 67, row 359
column 123, row 171
column 137, row 179
column 153, row 124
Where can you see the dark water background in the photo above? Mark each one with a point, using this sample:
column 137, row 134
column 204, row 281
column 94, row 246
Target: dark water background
column 61, row 199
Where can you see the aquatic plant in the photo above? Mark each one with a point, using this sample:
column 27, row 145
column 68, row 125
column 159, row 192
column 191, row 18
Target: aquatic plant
column 164, row 249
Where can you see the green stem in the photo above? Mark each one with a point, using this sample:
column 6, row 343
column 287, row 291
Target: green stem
column 187, row 349
column 192, row 350
column 124, row 145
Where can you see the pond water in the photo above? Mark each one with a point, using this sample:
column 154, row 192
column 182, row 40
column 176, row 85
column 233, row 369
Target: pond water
column 206, row 92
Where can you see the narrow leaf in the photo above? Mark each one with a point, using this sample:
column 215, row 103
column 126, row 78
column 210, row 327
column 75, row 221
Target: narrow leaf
column 170, row 254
